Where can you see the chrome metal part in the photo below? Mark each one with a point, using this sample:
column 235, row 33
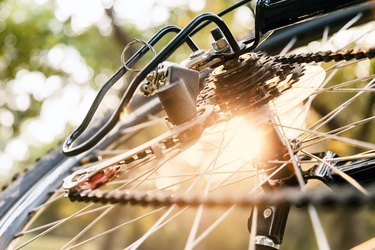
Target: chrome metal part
column 265, row 241
column 201, row 60
column 267, row 213
column 164, row 141
column 177, row 102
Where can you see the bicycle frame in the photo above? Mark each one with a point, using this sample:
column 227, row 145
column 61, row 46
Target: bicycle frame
column 316, row 28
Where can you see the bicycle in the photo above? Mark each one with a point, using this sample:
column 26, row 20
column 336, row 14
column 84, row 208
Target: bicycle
column 213, row 93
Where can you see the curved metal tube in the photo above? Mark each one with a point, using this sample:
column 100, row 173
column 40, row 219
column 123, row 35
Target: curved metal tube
column 162, row 56
column 67, row 150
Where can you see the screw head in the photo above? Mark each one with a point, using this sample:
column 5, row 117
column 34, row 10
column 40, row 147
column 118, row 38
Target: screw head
column 267, row 213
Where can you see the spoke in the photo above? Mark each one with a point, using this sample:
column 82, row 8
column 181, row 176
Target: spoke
column 355, row 142
column 324, row 120
column 58, row 221
column 153, row 170
column 37, row 212
column 321, row 136
column 350, row 90
column 254, row 223
column 329, row 77
column 189, row 244
column 284, row 164
column 366, row 33
column 54, row 226
column 193, row 231
column 230, row 210
column 154, row 227
column 88, row 227
column 253, row 229
column 145, row 176
column 116, row 228
column 191, row 175
column 50, row 201
column 163, row 177
column 110, row 208
column 172, row 217
column 238, row 170
column 223, row 183
column 347, row 83
column 226, row 184
column 318, row 229
column 287, row 47
column 343, row 64
column 350, row 23
column 365, row 155
column 343, row 175
column 160, row 221
column 341, row 129
column 174, row 184
column 360, row 156
column 213, row 226
column 344, row 28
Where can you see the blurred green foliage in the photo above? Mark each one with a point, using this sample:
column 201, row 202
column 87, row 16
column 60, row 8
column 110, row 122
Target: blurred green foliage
column 29, row 30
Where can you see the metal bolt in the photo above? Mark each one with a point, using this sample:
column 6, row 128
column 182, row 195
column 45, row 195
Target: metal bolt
column 267, row 213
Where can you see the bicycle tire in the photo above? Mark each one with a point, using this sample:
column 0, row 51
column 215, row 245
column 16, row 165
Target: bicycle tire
column 14, row 193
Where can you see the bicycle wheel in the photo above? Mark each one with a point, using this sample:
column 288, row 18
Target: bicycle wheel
column 203, row 173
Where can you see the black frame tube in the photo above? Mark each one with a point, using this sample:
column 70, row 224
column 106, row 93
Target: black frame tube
column 108, row 85
column 312, row 30
column 275, row 14
column 163, row 55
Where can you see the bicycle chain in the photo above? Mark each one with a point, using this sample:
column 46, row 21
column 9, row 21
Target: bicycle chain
column 291, row 196
column 327, row 56
column 283, row 196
